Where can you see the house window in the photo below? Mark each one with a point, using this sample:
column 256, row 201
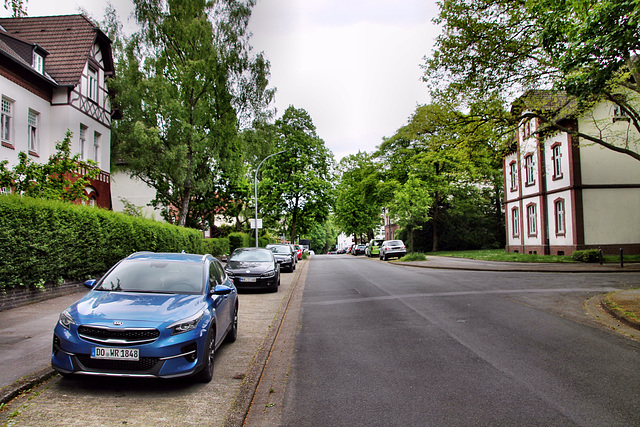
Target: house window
column 515, row 222
column 529, row 167
column 556, row 154
column 6, row 120
column 83, row 140
column 92, row 91
column 532, row 220
column 560, row 217
column 38, row 63
column 96, row 145
column 619, row 114
column 32, row 133
column 513, row 175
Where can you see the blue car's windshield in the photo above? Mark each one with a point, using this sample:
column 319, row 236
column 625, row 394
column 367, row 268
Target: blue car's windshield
column 168, row 277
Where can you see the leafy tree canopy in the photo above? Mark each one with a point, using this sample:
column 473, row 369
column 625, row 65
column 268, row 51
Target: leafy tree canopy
column 298, row 184
column 497, row 49
column 185, row 84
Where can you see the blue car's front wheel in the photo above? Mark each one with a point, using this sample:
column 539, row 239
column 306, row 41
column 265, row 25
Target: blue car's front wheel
column 206, row 374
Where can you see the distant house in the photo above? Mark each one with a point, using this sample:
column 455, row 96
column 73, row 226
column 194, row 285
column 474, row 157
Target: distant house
column 563, row 193
column 53, row 74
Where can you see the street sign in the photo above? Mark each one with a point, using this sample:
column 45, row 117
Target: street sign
column 253, row 223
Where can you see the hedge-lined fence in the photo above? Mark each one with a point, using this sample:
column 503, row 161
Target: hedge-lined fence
column 44, row 241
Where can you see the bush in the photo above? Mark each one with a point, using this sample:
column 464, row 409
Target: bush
column 588, row 255
column 216, row 247
column 414, row 256
column 50, row 241
column 238, row 240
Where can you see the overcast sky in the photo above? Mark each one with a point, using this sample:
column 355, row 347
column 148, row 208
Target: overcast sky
column 354, row 65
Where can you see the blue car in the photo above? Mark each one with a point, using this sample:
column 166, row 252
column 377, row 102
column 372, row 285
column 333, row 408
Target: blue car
column 151, row 315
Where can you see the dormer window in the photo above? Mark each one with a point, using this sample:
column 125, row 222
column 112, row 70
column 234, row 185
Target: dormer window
column 38, row 63
column 619, row 114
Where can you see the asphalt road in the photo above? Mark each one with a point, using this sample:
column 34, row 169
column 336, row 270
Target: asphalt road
column 385, row 345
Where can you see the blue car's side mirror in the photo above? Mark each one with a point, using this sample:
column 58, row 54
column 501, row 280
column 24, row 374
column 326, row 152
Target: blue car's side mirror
column 222, row 290
column 90, row 283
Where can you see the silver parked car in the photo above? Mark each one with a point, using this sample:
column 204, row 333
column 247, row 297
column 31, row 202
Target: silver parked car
column 392, row 248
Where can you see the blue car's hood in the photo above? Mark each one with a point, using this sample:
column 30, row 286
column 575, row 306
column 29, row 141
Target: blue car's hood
column 102, row 307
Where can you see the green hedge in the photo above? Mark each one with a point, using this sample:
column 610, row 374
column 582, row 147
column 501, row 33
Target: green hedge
column 239, row 240
column 216, row 247
column 48, row 241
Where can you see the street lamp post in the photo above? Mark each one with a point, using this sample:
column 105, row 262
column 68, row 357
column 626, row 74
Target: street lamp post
column 255, row 182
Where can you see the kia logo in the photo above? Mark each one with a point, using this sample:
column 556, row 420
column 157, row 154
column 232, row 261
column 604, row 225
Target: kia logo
column 117, row 323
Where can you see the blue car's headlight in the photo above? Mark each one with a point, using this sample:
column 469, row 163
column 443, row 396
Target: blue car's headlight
column 186, row 325
column 66, row 320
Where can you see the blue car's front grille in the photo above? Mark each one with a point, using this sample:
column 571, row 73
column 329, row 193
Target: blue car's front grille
column 117, row 336
column 144, row 364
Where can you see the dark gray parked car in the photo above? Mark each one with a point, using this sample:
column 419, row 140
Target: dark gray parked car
column 285, row 255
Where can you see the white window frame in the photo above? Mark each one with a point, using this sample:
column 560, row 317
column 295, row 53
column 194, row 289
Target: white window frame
column 513, row 175
column 6, row 120
column 92, row 83
column 532, row 220
column 556, row 155
column 33, row 122
column 83, row 139
column 529, row 166
column 96, row 146
column 38, row 62
column 515, row 222
column 559, row 210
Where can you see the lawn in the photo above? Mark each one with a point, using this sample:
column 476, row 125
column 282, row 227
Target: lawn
column 501, row 255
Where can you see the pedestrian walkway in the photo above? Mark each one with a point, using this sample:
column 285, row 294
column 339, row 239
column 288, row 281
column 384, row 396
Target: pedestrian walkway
column 556, row 267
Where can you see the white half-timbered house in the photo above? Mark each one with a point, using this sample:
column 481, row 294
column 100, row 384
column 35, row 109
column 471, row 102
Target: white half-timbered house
column 564, row 193
column 53, row 74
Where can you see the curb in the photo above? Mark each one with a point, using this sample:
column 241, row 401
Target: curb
column 632, row 323
column 10, row 392
column 515, row 269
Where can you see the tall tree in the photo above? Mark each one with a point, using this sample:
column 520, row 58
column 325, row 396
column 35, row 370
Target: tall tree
column 440, row 150
column 358, row 203
column 496, row 49
column 17, row 7
column 296, row 186
column 185, row 83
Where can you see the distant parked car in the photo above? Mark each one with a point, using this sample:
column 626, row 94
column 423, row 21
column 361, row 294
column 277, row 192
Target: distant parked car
column 298, row 251
column 358, row 250
column 285, row 255
column 254, row 268
column 374, row 247
column 150, row 315
column 392, row 248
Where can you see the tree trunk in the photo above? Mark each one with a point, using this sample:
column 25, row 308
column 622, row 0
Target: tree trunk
column 434, row 223
column 184, row 209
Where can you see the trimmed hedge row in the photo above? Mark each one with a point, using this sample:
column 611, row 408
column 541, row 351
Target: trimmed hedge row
column 49, row 241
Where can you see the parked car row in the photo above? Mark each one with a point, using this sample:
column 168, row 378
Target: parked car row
column 163, row 315
column 384, row 249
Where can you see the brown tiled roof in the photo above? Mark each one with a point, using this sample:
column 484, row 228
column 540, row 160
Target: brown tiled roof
column 68, row 39
column 544, row 101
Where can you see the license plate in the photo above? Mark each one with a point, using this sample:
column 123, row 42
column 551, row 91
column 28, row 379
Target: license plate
column 109, row 353
column 247, row 279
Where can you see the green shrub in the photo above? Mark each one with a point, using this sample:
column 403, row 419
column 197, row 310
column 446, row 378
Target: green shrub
column 414, row 256
column 238, row 240
column 588, row 255
column 48, row 241
column 216, row 247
